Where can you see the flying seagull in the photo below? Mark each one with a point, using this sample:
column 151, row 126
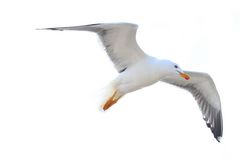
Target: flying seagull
column 137, row 70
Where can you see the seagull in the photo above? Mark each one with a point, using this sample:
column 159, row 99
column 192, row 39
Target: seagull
column 137, row 70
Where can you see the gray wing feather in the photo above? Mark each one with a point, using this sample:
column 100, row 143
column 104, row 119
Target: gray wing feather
column 202, row 87
column 119, row 40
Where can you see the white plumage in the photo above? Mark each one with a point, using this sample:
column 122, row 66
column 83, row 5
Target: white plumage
column 137, row 70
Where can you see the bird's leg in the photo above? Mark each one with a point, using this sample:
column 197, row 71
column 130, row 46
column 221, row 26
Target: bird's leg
column 111, row 101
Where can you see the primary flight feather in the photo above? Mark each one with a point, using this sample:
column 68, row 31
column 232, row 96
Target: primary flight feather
column 137, row 70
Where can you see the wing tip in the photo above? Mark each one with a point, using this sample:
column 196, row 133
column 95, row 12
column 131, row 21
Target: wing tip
column 218, row 139
column 88, row 25
column 53, row 29
column 216, row 125
column 218, row 129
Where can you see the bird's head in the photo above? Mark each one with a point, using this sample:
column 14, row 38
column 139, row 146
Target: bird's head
column 173, row 69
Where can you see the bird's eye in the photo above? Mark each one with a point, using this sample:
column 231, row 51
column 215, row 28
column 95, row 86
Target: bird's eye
column 175, row 66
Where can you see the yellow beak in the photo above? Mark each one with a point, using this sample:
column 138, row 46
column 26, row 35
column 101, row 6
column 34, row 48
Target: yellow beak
column 184, row 75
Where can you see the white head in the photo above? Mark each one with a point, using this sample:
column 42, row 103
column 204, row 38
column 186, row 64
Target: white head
column 173, row 69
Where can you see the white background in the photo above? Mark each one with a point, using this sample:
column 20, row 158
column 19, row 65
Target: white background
column 50, row 82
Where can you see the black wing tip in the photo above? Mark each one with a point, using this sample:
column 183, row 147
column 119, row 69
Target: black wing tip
column 217, row 135
column 53, row 29
column 63, row 28
column 217, row 130
column 218, row 139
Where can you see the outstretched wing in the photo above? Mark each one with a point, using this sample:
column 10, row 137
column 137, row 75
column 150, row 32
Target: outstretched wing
column 119, row 40
column 203, row 89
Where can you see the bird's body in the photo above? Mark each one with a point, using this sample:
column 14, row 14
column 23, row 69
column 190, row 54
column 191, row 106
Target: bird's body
column 142, row 74
column 137, row 70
